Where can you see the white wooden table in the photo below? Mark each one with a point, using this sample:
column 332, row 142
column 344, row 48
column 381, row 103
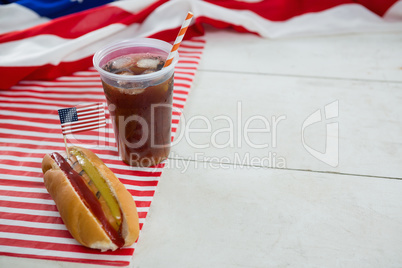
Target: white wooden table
column 285, row 188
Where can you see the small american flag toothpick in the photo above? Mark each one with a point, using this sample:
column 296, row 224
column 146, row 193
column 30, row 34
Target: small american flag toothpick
column 81, row 118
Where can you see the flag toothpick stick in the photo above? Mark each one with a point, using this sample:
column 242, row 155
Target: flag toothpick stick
column 65, row 143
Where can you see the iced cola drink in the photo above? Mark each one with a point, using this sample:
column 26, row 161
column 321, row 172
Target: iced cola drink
column 139, row 96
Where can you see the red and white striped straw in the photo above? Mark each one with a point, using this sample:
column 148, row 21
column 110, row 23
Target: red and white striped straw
column 179, row 38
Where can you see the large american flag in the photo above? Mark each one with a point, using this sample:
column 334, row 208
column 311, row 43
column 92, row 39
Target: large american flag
column 33, row 46
column 43, row 41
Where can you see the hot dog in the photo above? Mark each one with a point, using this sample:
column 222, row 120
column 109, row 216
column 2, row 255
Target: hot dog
column 94, row 205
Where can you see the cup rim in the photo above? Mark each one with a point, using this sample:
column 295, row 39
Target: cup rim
column 134, row 42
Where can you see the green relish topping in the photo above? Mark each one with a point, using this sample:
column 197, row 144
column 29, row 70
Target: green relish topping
column 100, row 183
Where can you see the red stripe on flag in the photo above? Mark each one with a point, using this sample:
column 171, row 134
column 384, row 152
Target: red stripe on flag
column 139, row 182
column 30, row 119
column 99, row 17
column 25, row 205
column 67, row 259
column 45, row 196
column 46, row 71
column 61, row 247
column 20, row 183
column 18, row 163
column 30, row 218
column 35, row 231
column 141, row 204
column 17, row 137
column 61, row 98
column 141, row 193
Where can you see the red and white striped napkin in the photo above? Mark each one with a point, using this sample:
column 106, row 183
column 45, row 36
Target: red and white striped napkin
column 30, row 225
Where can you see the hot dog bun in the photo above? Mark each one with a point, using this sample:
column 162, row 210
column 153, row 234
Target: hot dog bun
column 79, row 220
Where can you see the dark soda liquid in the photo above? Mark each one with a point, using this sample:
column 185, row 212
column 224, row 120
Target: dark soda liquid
column 141, row 117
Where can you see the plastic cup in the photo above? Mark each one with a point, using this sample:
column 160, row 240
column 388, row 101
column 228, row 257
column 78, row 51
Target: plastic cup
column 140, row 104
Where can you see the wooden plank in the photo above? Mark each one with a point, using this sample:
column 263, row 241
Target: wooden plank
column 358, row 56
column 254, row 217
column 223, row 106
